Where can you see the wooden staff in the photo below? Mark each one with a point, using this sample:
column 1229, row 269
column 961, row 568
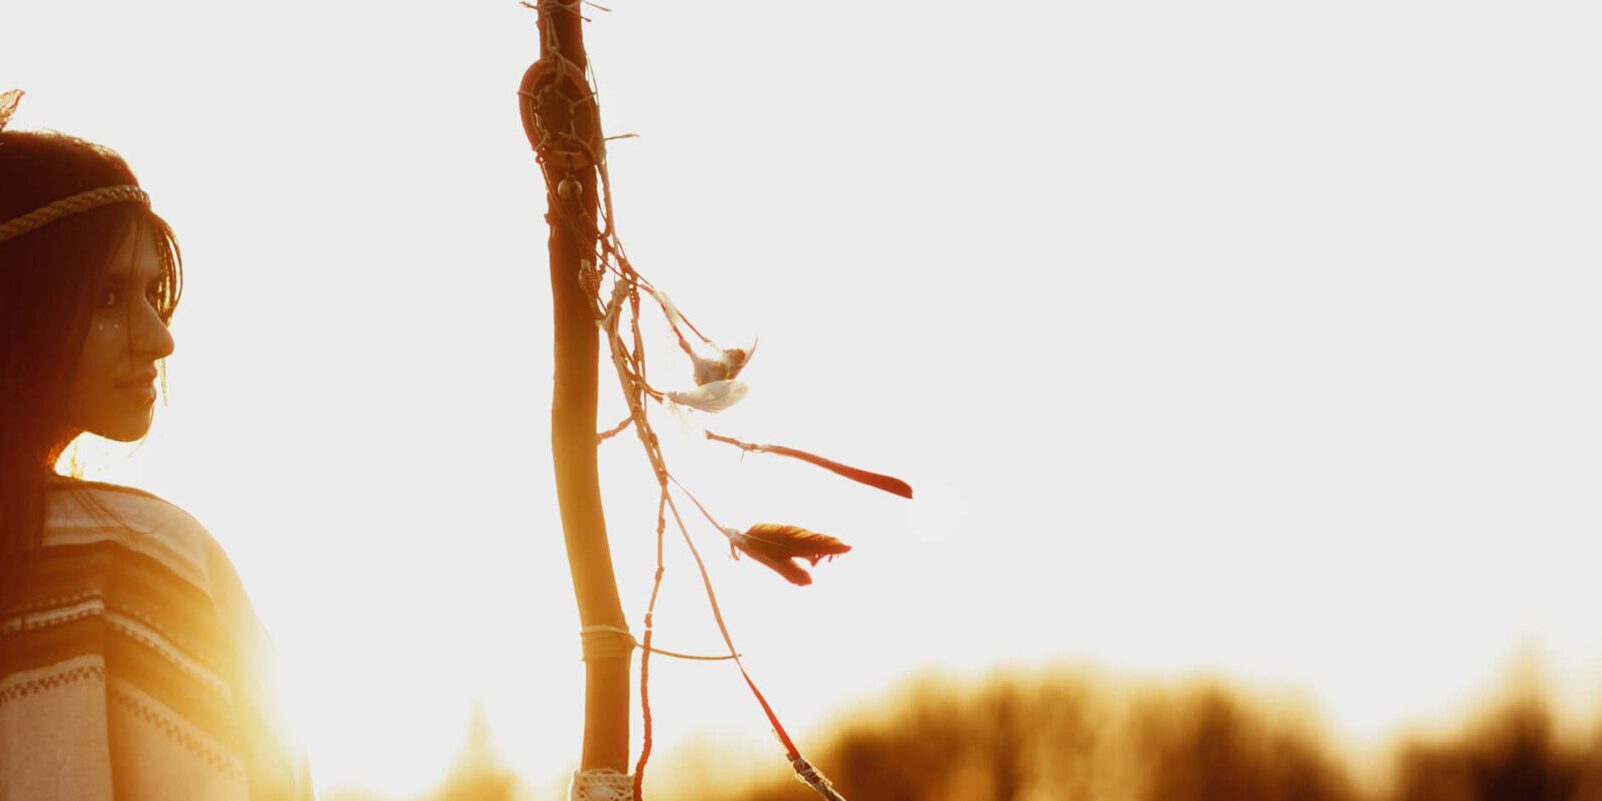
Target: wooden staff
column 562, row 123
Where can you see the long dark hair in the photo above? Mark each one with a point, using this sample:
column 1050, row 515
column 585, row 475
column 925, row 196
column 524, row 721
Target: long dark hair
column 48, row 282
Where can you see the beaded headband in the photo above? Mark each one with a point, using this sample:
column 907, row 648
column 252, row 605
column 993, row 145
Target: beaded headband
column 68, row 206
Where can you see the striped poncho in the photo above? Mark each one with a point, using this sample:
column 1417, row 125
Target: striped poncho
column 132, row 666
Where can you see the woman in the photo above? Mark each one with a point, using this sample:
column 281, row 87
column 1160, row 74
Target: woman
column 131, row 664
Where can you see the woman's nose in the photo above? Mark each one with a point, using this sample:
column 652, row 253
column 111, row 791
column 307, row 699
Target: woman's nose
column 151, row 339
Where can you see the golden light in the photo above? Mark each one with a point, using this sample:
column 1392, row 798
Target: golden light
column 1241, row 339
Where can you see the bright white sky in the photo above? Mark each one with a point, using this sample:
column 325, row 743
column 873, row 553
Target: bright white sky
column 1242, row 336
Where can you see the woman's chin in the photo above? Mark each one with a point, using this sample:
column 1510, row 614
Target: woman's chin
column 126, row 430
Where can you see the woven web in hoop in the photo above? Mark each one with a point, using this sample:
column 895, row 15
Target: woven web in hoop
column 562, row 118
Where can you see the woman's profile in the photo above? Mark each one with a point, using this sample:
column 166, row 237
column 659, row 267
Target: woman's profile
column 131, row 663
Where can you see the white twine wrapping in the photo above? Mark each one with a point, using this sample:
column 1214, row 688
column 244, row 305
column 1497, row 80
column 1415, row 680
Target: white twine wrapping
column 600, row 784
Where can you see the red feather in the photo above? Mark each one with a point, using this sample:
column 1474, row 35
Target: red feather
column 890, row 484
column 779, row 546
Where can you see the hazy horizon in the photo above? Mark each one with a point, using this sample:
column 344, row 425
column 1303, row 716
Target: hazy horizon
column 1245, row 338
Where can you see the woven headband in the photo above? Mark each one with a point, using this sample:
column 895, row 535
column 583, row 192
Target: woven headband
column 68, row 206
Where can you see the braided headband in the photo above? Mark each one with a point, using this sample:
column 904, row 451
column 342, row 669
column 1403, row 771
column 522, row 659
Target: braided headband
column 68, row 206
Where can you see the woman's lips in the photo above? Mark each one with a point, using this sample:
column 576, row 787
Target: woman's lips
column 146, row 392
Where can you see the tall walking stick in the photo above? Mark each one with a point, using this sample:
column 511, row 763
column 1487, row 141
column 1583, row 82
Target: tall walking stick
column 562, row 121
column 559, row 116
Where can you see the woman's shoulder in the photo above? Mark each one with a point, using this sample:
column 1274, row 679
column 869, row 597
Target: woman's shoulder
column 90, row 514
column 66, row 495
column 96, row 516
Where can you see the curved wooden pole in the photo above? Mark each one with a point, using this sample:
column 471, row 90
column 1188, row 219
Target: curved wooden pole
column 573, row 418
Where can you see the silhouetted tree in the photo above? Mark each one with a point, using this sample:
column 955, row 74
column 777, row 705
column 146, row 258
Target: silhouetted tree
column 479, row 774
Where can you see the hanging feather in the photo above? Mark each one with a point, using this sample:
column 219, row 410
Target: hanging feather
column 722, row 367
column 707, row 369
column 713, row 397
column 779, row 546
column 675, row 318
column 890, row 484
column 8, row 105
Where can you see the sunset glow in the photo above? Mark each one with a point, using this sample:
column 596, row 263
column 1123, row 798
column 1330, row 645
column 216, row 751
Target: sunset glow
column 1233, row 339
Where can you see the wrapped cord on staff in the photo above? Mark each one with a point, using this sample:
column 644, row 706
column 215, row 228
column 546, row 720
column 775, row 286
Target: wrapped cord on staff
column 610, row 642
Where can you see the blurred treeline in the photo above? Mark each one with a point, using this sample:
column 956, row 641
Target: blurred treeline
column 1076, row 736
column 1073, row 736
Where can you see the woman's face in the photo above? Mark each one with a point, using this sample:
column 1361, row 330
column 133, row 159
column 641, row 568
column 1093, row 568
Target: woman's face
column 113, row 390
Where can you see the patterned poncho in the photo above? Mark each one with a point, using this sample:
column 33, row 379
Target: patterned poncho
column 132, row 666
